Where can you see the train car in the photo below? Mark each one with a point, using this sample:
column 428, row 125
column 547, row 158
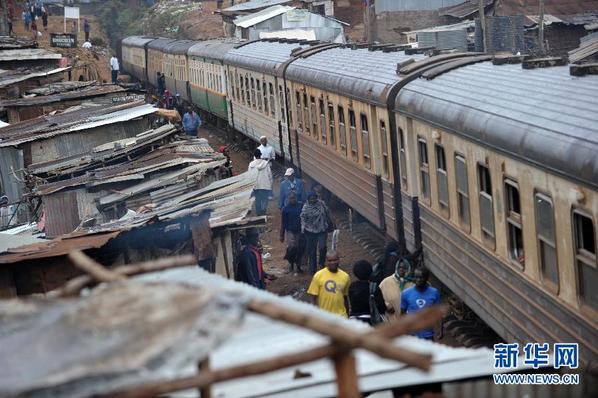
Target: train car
column 176, row 67
column 340, row 127
column 502, row 163
column 255, row 71
column 207, row 76
column 134, row 56
column 155, row 59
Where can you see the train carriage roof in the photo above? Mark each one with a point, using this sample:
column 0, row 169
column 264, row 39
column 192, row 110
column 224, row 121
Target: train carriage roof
column 214, row 49
column 543, row 116
column 263, row 55
column 161, row 44
column 357, row 73
column 137, row 41
column 179, row 46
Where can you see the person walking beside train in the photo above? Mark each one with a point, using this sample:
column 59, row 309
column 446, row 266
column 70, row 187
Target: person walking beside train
column 393, row 286
column 191, row 122
column 329, row 287
column 114, row 66
column 315, row 223
column 290, row 222
column 365, row 297
column 289, row 184
column 418, row 297
column 160, row 79
column 266, row 149
column 263, row 182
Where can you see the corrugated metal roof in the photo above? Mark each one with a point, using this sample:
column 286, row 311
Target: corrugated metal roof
column 86, row 92
column 11, row 77
column 543, row 116
column 361, row 74
column 375, row 374
column 253, row 5
column 137, row 41
column 463, row 10
column 246, row 21
column 299, row 34
column 262, row 56
column 27, row 54
column 179, row 46
column 161, row 44
column 214, row 49
column 558, row 8
column 68, row 122
column 10, row 241
column 588, row 49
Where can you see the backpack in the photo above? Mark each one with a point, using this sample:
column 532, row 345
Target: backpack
column 375, row 316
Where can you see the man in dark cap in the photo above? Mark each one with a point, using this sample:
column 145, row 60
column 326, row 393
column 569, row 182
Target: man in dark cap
column 250, row 261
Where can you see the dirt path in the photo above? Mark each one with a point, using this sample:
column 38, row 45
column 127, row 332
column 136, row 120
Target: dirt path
column 286, row 284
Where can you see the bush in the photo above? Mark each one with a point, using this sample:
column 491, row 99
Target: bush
column 97, row 41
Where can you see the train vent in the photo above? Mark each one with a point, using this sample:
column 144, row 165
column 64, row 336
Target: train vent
column 529, row 62
column 583, row 69
column 419, row 50
column 503, row 59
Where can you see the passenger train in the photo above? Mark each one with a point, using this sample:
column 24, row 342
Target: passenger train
column 487, row 164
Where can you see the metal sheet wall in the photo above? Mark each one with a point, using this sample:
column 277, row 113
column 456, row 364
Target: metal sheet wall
column 413, row 5
column 444, row 40
column 11, row 159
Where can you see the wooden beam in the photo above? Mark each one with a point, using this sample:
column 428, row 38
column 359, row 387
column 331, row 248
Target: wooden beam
column 96, row 270
column 204, row 367
column 346, row 376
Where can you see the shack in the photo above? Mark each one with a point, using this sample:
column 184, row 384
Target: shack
column 15, row 82
column 29, row 58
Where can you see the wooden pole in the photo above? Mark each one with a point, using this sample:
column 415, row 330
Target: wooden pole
column 346, row 376
column 75, row 285
column 411, row 323
column 482, row 13
column 541, row 27
column 204, row 367
column 96, row 270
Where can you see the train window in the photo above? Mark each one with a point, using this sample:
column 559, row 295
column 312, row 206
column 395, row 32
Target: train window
column 353, row 133
column 585, row 256
column 242, row 90
column 247, row 91
column 365, row 140
column 299, row 115
column 441, row 176
column 305, row 113
column 314, row 117
column 323, row 124
column 331, row 124
column 424, row 168
column 384, row 142
column 237, row 84
column 259, row 94
column 253, row 101
column 283, row 104
column 265, row 94
column 546, row 241
column 403, row 157
column 513, row 215
column 486, row 205
column 462, row 190
column 342, row 132
column 273, row 101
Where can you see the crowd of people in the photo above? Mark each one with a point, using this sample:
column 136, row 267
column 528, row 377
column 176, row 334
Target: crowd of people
column 380, row 292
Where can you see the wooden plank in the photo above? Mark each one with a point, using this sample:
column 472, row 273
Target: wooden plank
column 346, row 376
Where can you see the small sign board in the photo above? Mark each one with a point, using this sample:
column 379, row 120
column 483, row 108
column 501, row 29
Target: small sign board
column 63, row 40
column 71, row 12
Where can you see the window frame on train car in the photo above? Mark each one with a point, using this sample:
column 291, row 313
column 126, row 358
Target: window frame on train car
column 258, row 95
column 253, row 96
column 584, row 256
column 265, row 97
column 313, row 116
column 423, row 161
column 485, row 191
column 551, row 285
column 247, row 91
column 283, row 100
column 366, row 146
column 353, row 135
column 273, row 103
column 462, row 192
column 243, row 98
column 306, row 121
column 323, row 124
column 331, row 123
column 514, row 223
column 299, row 111
column 237, row 84
column 384, row 149
column 342, row 129
column 403, row 159
column 440, row 157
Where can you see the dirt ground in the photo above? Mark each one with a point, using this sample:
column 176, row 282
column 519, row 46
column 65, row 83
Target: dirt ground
column 286, row 283
column 92, row 64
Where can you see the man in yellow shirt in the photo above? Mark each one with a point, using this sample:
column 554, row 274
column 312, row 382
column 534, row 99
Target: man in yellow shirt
column 329, row 287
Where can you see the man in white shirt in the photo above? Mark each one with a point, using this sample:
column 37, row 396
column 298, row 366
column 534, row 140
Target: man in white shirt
column 115, row 67
column 266, row 149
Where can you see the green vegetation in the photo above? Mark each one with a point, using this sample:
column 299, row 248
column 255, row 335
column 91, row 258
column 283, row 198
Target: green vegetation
column 120, row 20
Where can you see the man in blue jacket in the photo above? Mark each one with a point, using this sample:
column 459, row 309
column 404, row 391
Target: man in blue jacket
column 250, row 261
column 191, row 122
column 288, row 184
column 290, row 222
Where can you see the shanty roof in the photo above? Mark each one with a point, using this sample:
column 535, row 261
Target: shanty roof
column 542, row 116
column 559, row 8
column 256, row 332
column 254, row 5
column 463, row 10
column 11, row 241
column 214, row 49
column 357, row 73
column 263, row 55
column 588, row 49
column 67, row 122
column 91, row 90
column 25, row 54
column 442, row 28
column 246, row 21
column 8, row 77
column 9, row 42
